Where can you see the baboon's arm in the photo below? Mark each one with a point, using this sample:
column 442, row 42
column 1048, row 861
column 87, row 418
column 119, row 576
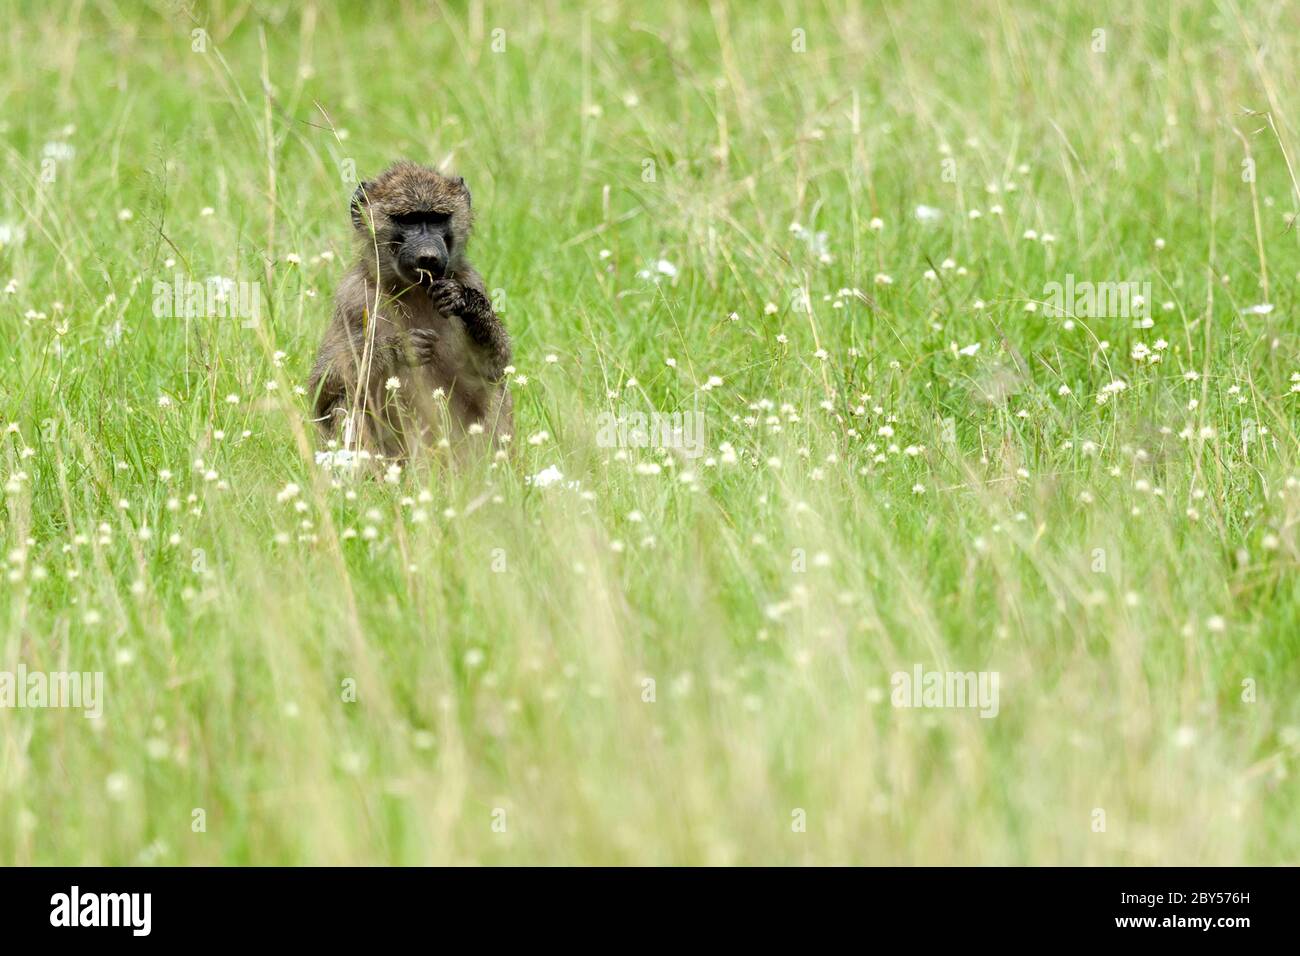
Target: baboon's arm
column 344, row 373
column 487, row 331
column 465, row 296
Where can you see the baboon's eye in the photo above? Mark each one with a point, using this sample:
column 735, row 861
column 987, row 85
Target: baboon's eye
column 422, row 217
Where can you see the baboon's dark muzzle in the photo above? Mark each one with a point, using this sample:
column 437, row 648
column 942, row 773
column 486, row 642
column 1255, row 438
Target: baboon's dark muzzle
column 427, row 257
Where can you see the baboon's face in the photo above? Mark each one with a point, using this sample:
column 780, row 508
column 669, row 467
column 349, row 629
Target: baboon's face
column 420, row 220
column 421, row 243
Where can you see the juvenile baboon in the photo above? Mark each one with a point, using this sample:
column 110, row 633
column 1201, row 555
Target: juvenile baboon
column 414, row 352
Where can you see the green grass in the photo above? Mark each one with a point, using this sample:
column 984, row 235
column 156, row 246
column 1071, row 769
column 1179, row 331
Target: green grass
column 1123, row 565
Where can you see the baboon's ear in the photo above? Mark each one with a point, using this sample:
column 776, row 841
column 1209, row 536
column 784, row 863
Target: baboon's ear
column 460, row 181
column 360, row 198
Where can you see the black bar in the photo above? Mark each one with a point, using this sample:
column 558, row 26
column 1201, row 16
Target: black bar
column 336, row 906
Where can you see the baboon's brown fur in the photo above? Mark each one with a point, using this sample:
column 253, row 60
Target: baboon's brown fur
column 411, row 358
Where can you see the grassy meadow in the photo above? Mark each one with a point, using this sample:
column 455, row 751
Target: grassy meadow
column 828, row 227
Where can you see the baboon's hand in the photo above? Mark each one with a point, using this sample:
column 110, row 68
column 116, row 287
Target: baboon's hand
column 448, row 296
column 423, row 346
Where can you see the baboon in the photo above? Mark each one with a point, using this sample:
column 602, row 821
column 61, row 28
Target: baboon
column 414, row 353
